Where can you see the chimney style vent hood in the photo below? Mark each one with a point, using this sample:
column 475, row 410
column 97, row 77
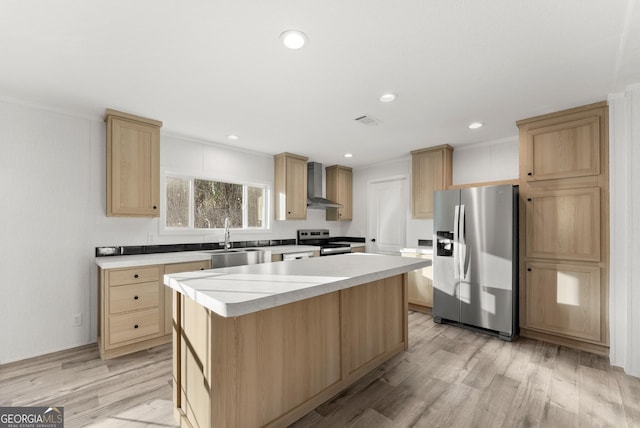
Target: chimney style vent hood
column 314, row 188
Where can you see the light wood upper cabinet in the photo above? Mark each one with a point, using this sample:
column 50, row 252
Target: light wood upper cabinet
column 133, row 165
column 340, row 190
column 431, row 171
column 562, row 150
column 290, row 187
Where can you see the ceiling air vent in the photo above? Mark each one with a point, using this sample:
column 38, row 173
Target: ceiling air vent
column 367, row 120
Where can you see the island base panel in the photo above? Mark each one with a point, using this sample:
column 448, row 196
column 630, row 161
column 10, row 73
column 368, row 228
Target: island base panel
column 272, row 367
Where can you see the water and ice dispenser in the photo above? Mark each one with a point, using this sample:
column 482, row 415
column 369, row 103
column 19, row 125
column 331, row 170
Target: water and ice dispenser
column 444, row 243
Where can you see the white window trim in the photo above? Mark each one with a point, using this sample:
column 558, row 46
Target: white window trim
column 163, row 230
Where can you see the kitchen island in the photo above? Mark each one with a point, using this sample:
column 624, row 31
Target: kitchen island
column 262, row 345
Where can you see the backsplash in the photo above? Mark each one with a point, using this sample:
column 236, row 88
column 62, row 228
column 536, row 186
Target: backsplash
column 174, row 248
column 131, row 250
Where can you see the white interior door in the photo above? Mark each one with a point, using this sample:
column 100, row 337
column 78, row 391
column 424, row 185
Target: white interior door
column 386, row 218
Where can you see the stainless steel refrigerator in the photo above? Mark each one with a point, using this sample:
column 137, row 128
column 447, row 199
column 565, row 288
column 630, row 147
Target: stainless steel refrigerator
column 475, row 267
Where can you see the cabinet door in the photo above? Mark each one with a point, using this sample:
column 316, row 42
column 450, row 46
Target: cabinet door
column 431, row 171
column 420, row 287
column 296, row 189
column 340, row 190
column 290, row 187
column 133, row 173
column 564, row 224
column 427, row 178
column 570, row 149
column 168, row 291
column 564, row 299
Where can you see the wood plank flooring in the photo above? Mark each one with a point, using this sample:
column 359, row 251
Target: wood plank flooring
column 449, row 377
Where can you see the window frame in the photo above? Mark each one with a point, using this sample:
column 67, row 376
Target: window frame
column 191, row 229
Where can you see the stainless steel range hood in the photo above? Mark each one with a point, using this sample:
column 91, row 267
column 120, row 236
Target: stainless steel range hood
column 314, row 188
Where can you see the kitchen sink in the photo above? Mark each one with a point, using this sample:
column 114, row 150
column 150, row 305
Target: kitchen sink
column 238, row 257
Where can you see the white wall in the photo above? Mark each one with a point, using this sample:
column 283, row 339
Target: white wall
column 52, row 216
column 491, row 161
column 624, row 143
column 484, row 162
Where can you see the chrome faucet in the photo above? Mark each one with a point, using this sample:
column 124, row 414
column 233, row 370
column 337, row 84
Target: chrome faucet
column 227, row 245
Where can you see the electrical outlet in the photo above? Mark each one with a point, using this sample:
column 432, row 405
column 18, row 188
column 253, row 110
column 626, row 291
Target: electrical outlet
column 76, row 320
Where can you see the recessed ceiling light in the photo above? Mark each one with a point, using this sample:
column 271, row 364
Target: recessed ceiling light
column 233, row 137
column 348, row 155
column 293, row 39
column 476, row 125
column 387, row 98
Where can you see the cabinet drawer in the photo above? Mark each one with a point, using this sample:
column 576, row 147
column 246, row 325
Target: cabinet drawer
column 134, row 275
column 133, row 297
column 134, row 325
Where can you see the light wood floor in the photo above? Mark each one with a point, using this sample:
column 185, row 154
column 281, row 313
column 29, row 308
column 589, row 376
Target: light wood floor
column 449, row 377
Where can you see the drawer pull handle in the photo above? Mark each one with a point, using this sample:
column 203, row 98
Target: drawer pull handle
column 135, row 297
column 528, row 269
column 529, row 199
column 201, row 268
column 135, row 326
column 529, row 174
column 136, row 276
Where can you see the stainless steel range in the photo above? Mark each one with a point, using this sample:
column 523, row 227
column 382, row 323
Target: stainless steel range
column 321, row 238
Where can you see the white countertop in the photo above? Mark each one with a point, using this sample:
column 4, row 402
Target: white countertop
column 241, row 290
column 288, row 249
column 417, row 250
column 113, row 262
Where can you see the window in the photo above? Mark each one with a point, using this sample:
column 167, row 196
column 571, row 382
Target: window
column 198, row 203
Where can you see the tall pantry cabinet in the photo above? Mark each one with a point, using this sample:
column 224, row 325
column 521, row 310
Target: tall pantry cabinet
column 564, row 227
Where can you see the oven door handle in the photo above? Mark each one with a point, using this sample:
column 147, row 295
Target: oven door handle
column 332, row 251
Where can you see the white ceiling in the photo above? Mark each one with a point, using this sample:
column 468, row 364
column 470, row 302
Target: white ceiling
column 210, row 68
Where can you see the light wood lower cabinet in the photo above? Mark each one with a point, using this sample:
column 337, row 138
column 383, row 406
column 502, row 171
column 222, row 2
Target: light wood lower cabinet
column 565, row 299
column 420, row 287
column 135, row 307
column 130, row 310
column 270, row 368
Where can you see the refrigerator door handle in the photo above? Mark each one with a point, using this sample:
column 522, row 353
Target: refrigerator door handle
column 462, row 238
column 456, row 247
